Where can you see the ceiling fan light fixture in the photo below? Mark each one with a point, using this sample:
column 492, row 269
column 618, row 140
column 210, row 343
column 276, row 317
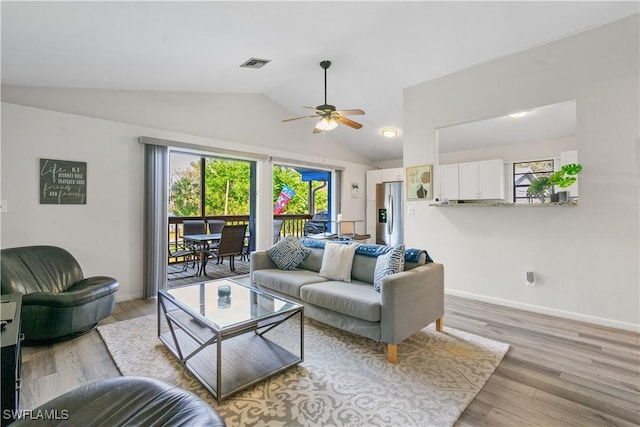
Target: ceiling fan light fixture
column 329, row 116
column 327, row 123
column 389, row 132
column 518, row 115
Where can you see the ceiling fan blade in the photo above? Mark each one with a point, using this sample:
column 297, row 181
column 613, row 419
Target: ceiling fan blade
column 298, row 118
column 316, row 130
column 311, row 108
column 348, row 122
column 354, row 112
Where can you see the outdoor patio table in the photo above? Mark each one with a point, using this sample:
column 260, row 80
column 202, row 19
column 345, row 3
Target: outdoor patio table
column 203, row 242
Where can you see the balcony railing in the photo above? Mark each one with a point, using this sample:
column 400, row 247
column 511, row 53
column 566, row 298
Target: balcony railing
column 293, row 225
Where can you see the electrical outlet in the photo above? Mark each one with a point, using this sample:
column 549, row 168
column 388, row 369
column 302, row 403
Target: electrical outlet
column 530, row 279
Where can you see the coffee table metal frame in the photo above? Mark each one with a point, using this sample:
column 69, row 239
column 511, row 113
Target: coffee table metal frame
column 191, row 336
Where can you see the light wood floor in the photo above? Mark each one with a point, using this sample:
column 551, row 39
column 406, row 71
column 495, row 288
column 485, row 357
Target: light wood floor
column 557, row 372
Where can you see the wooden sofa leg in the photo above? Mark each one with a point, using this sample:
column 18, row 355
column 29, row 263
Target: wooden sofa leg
column 392, row 353
column 440, row 324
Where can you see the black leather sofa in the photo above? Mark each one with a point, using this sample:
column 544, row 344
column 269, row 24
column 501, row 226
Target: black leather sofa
column 125, row 401
column 58, row 301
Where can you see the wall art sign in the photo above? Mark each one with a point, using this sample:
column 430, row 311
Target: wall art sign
column 420, row 183
column 63, row 182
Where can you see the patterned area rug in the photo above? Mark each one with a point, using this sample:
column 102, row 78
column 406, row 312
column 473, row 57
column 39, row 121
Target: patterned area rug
column 344, row 379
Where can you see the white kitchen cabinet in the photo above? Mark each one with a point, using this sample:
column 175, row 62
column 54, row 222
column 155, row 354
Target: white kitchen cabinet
column 449, row 188
column 370, row 223
column 373, row 177
column 483, row 180
column 468, row 180
column 394, row 174
column 377, row 176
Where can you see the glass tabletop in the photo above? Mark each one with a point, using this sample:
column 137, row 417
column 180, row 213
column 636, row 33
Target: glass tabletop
column 226, row 302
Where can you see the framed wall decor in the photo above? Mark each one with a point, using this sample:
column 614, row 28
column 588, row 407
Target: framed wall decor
column 63, row 182
column 420, row 182
column 355, row 190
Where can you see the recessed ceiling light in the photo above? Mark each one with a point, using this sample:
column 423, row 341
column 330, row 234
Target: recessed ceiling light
column 518, row 114
column 389, row 132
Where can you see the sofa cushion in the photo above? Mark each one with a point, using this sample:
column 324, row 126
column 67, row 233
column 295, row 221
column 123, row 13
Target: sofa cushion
column 313, row 261
column 287, row 253
column 357, row 299
column 390, row 263
column 337, row 261
column 363, row 267
column 286, row 282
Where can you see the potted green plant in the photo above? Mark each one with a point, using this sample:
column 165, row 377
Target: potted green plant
column 545, row 185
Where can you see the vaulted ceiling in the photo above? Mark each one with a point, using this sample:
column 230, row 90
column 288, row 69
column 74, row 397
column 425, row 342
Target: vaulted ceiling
column 377, row 49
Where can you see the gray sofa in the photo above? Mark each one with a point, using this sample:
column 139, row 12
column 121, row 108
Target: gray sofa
column 408, row 301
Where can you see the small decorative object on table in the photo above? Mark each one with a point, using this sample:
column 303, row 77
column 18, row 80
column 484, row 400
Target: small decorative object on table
column 224, row 291
column 224, row 296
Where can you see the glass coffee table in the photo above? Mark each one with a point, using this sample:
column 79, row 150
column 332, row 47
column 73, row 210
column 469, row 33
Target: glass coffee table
column 229, row 335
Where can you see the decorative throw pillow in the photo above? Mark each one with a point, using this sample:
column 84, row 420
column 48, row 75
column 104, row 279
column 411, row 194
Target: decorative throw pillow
column 337, row 261
column 390, row 263
column 288, row 253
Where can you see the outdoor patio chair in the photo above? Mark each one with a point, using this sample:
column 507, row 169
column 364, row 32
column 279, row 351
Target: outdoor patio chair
column 183, row 255
column 216, row 225
column 194, row 226
column 231, row 244
column 277, row 230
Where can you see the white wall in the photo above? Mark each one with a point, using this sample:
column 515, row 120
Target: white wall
column 586, row 257
column 251, row 119
column 389, row 164
column 106, row 233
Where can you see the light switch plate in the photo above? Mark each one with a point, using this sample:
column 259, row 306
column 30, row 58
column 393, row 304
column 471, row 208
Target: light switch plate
column 3, row 206
column 410, row 210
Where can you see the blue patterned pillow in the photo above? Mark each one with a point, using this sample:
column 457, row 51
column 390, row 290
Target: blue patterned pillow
column 288, row 253
column 390, row 263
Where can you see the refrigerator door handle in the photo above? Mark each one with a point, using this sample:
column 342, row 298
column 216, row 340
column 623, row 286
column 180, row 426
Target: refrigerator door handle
column 390, row 216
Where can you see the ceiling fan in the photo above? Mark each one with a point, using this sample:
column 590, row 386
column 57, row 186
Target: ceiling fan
column 329, row 116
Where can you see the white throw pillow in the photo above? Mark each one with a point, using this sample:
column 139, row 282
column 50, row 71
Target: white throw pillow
column 337, row 261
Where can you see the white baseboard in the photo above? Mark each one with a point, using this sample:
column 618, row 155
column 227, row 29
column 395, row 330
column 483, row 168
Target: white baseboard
column 550, row 311
column 127, row 297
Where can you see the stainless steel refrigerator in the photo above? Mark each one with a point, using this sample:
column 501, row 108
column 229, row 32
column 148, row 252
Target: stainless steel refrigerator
column 389, row 221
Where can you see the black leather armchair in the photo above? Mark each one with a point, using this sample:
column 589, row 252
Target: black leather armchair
column 126, row 401
column 58, row 301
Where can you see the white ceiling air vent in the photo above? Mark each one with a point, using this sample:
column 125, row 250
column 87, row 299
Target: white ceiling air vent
column 255, row 63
